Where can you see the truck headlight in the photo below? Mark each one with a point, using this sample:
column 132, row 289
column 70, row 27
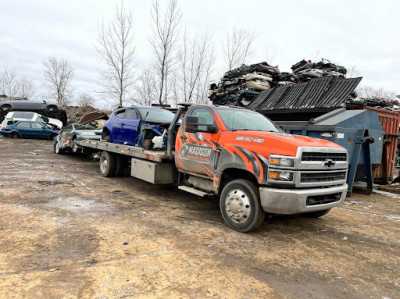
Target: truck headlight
column 282, row 162
column 281, row 176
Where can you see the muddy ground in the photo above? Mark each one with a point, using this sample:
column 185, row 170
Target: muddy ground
column 67, row 232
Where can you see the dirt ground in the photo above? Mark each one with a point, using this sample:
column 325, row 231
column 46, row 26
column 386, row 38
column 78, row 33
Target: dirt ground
column 68, row 232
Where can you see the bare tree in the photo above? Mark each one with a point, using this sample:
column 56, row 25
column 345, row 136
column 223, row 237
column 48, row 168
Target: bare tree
column 371, row 92
column 194, row 64
column 116, row 48
column 9, row 82
column 164, row 43
column 58, row 75
column 238, row 47
column 146, row 88
column 85, row 100
column 12, row 85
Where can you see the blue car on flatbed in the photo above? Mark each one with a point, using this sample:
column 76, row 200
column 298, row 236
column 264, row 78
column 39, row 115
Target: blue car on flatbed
column 29, row 129
column 137, row 126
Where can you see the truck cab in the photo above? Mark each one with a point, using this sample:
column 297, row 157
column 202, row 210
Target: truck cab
column 254, row 167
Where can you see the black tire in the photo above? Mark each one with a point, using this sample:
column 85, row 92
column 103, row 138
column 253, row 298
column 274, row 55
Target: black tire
column 15, row 135
column 56, row 148
column 52, row 108
column 317, row 214
column 105, row 136
column 107, row 164
column 121, row 165
column 5, row 108
column 243, row 197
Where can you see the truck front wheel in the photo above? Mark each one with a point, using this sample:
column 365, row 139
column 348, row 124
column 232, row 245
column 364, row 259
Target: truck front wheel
column 316, row 214
column 240, row 206
column 107, row 164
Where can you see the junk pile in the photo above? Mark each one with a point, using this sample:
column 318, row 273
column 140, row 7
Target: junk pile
column 376, row 102
column 75, row 113
column 242, row 85
column 307, row 70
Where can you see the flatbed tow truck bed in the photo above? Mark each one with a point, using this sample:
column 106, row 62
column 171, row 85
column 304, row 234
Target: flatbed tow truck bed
column 128, row 150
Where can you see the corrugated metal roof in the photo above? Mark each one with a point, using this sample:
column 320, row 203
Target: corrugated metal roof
column 324, row 92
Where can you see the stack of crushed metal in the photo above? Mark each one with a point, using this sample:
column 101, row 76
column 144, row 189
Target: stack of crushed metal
column 241, row 85
column 307, row 70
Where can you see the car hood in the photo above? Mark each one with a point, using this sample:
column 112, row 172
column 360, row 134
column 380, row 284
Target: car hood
column 55, row 122
column 92, row 116
column 272, row 143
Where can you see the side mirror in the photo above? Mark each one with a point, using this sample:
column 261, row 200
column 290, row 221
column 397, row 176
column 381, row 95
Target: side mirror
column 192, row 125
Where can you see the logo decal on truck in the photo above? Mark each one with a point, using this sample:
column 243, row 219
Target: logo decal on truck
column 196, row 152
column 243, row 138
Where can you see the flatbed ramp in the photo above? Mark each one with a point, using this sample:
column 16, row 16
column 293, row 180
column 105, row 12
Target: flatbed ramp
column 128, row 150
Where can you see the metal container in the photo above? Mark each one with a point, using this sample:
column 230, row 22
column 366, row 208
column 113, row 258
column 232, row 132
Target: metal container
column 390, row 121
column 359, row 131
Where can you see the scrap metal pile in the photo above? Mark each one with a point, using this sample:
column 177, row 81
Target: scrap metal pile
column 242, row 85
column 307, row 70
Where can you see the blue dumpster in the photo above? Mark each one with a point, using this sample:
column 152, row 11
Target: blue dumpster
column 359, row 131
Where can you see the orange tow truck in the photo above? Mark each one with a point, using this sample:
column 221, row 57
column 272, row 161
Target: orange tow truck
column 241, row 157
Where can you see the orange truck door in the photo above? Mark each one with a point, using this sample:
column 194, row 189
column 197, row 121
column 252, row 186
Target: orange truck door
column 197, row 152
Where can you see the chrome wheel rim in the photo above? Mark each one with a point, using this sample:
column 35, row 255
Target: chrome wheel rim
column 57, row 148
column 237, row 205
column 103, row 165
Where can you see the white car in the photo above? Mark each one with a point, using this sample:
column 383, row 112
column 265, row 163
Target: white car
column 15, row 116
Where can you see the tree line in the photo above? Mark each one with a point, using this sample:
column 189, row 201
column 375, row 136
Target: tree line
column 181, row 65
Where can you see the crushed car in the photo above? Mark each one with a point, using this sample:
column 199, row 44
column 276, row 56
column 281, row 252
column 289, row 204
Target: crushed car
column 139, row 126
column 14, row 116
column 29, row 129
column 89, row 127
column 46, row 109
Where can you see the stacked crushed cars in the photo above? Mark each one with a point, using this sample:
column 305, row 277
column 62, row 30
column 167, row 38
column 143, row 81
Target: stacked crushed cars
column 243, row 84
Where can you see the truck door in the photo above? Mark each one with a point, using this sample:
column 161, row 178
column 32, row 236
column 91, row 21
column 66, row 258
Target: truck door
column 198, row 151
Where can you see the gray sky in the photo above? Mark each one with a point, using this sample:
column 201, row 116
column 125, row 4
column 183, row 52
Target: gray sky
column 361, row 34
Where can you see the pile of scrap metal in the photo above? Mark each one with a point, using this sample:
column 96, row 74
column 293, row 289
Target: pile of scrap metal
column 241, row 85
column 307, row 70
column 377, row 102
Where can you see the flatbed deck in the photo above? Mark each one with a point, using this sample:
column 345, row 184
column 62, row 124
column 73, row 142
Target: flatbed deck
column 128, row 150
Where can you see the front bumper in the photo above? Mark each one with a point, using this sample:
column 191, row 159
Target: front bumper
column 294, row 201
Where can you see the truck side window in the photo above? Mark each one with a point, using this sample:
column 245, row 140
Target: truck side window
column 131, row 114
column 205, row 117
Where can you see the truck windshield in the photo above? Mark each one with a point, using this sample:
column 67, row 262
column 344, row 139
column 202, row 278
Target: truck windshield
column 235, row 120
column 156, row 115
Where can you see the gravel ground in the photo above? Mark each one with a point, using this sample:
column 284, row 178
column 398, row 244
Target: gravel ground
column 68, row 232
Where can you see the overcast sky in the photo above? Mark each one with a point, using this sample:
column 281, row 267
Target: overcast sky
column 361, row 34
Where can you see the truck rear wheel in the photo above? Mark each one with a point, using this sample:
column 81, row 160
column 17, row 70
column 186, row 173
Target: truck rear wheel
column 107, row 164
column 121, row 165
column 240, row 206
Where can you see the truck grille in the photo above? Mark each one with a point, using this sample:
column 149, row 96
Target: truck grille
column 322, row 199
column 316, row 177
column 318, row 156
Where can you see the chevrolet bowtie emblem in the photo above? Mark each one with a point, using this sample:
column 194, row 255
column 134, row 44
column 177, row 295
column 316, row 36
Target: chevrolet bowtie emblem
column 329, row 163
